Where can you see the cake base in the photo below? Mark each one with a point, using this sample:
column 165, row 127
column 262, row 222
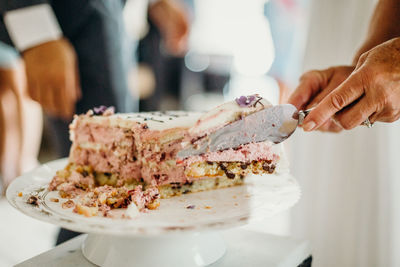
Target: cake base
column 189, row 249
column 167, row 191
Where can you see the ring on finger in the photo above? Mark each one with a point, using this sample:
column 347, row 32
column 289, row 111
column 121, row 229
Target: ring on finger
column 368, row 123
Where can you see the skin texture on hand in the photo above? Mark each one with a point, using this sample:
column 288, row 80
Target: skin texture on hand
column 52, row 77
column 171, row 19
column 317, row 84
column 371, row 91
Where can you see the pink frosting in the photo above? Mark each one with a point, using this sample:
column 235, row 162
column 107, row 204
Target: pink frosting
column 163, row 174
column 106, row 161
column 246, row 153
column 101, row 134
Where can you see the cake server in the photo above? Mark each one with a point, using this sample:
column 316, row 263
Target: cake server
column 273, row 124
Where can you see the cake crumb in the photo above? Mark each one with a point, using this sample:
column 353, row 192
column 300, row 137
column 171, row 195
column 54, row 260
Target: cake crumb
column 53, row 199
column 68, row 204
column 153, row 205
column 20, row 194
column 86, row 211
column 207, row 207
column 33, row 200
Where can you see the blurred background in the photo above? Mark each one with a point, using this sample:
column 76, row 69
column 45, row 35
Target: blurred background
column 349, row 208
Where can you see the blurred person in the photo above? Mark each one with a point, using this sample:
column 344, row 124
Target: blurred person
column 77, row 60
column 346, row 96
column 20, row 119
column 287, row 19
column 160, row 29
column 74, row 61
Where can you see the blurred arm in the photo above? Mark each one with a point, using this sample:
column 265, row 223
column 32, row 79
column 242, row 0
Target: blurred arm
column 50, row 60
column 384, row 25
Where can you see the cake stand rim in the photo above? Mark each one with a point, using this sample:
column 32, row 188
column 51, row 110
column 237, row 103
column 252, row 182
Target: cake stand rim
column 40, row 213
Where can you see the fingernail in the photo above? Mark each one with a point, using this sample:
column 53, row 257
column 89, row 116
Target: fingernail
column 309, row 126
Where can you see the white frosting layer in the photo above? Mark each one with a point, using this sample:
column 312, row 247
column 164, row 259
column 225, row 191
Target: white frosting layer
column 226, row 113
column 154, row 120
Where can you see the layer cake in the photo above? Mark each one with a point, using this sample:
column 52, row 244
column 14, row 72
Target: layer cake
column 117, row 160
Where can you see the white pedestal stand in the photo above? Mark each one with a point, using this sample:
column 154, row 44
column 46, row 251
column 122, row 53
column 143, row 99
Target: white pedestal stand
column 243, row 248
column 183, row 249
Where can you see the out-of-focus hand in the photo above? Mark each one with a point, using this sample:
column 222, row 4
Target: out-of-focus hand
column 171, row 19
column 14, row 79
column 52, row 77
column 371, row 91
column 315, row 85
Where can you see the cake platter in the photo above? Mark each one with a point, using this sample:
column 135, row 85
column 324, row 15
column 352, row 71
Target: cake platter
column 183, row 231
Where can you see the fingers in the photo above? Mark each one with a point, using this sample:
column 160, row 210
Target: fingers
column 349, row 91
column 321, row 95
column 355, row 115
column 340, row 74
column 32, row 89
column 67, row 96
column 47, row 98
column 62, row 103
column 386, row 116
column 330, row 126
column 310, row 84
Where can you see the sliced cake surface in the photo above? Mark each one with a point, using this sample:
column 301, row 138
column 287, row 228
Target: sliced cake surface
column 120, row 160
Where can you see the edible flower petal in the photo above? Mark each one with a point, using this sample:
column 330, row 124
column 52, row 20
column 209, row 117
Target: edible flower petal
column 103, row 110
column 245, row 101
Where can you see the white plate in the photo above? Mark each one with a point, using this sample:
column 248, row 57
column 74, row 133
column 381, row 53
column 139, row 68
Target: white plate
column 260, row 197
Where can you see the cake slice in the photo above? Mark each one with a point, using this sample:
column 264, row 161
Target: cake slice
column 117, row 160
column 232, row 163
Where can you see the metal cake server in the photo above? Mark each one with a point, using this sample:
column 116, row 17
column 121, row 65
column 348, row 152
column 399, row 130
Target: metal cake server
column 275, row 124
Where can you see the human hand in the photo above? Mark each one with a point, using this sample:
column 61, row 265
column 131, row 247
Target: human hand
column 14, row 79
column 171, row 19
column 371, row 91
column 315, row 85
column 52, row 77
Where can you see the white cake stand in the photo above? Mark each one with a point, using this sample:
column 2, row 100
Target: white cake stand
column 172, row 235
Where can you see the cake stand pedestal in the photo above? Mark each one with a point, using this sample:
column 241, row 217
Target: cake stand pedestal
column 243, row 248
column 185, row 249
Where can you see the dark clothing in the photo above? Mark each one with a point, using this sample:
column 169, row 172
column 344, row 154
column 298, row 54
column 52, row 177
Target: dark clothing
column 95, row 29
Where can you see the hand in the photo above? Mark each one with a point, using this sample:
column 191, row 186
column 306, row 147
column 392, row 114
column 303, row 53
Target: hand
column 315, row 85
column 52, row 77
column 171, row 19
column 371, row 91
column 14, row 79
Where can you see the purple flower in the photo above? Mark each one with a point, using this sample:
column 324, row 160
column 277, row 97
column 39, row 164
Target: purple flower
column 245, row 101
column 102, row 109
